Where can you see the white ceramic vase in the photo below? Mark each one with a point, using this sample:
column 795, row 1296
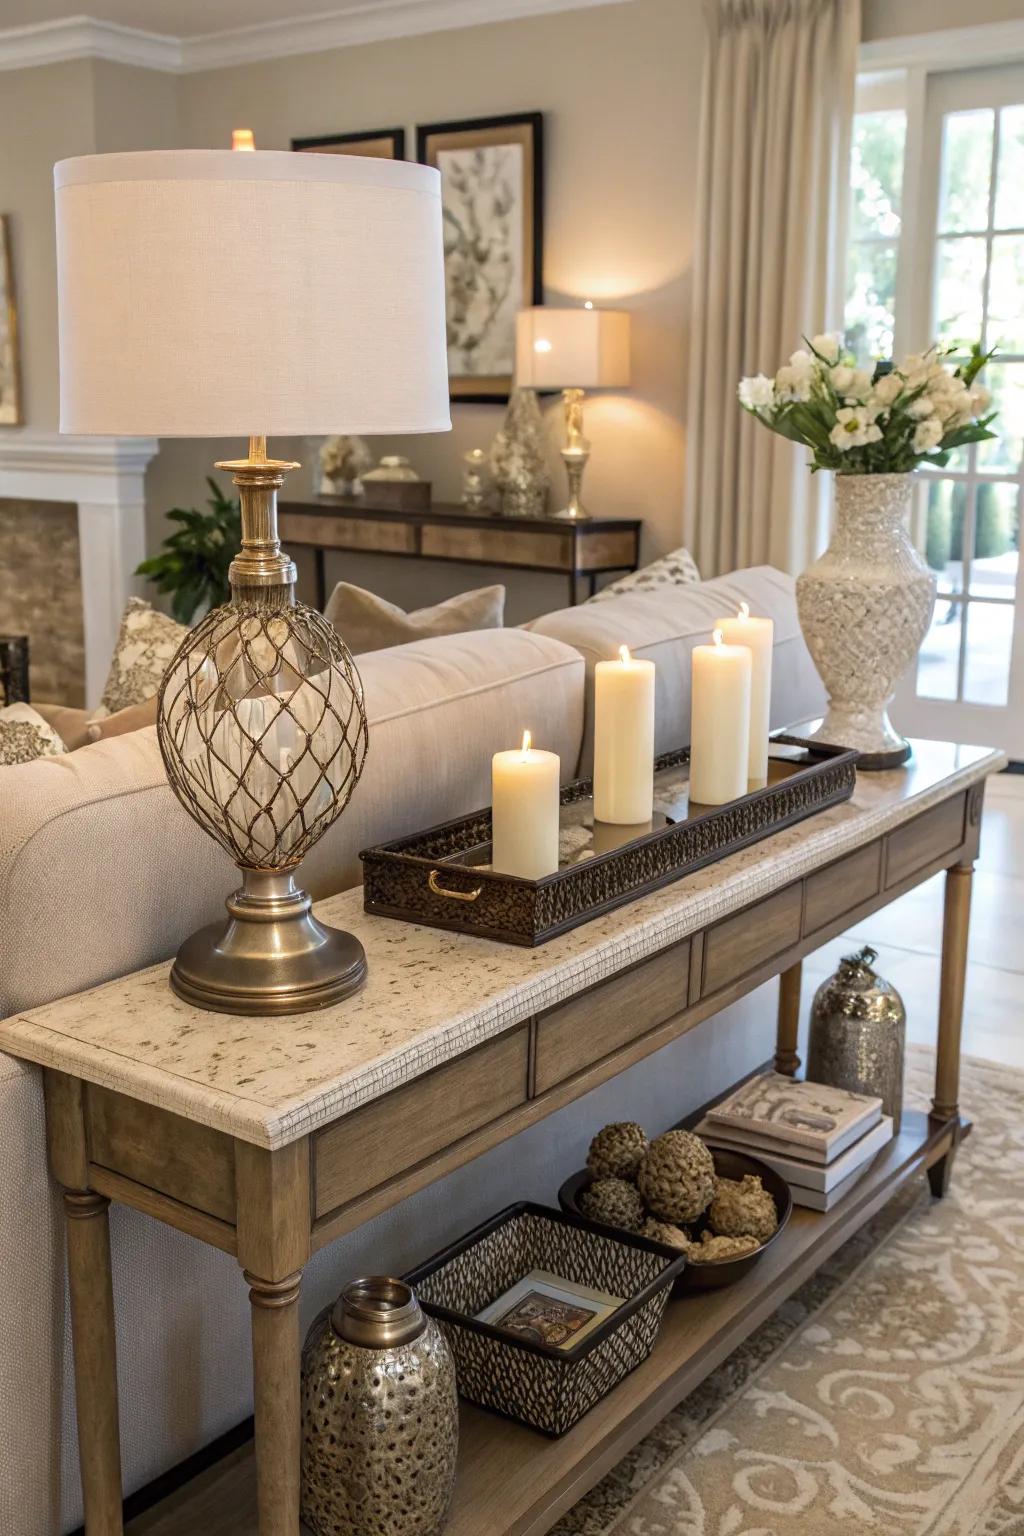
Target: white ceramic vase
column 865, row 607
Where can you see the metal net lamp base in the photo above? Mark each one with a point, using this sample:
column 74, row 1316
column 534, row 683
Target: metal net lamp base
column 263, row 733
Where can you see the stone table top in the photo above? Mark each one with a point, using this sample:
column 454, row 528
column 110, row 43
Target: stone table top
column 430, row 995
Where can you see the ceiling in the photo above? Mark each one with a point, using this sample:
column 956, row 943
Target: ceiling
column 192, row 18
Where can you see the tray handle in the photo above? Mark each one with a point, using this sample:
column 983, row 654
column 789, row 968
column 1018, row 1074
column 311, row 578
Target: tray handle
column 434, row 883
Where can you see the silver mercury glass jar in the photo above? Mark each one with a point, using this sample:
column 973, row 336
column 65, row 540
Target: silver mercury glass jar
column 380, row 1426
column 858, row 1033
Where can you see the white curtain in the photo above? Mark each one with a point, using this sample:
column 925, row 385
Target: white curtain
column 779, row 83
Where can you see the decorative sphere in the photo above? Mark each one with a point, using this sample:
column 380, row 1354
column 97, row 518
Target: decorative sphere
column 262, row 728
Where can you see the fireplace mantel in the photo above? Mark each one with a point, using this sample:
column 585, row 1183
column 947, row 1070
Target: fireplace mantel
column 105, row 478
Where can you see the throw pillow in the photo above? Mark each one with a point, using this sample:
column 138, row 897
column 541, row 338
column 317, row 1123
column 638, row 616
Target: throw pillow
column 673, row 570
column 146, row 642
column 25, row 735
column 80, row 727
column 367, row 622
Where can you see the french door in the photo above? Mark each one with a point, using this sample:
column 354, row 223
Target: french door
column 937, row 253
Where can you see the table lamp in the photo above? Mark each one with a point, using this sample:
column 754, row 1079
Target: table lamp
column 572, row 350
column 205, row 293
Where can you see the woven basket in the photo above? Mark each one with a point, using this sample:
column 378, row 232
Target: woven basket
column 548, row 1388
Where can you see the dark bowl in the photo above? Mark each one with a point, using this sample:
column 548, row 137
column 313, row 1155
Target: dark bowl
column 703, row 1277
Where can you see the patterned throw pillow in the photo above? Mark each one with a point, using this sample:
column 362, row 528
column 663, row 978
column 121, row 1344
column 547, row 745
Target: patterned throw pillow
column 674, row 570
column 25, row 735
column 145, row 644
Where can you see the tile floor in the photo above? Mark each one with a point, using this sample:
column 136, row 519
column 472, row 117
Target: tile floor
column 908, row 935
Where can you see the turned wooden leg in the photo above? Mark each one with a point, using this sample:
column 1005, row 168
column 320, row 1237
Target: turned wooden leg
column 92, row 1323
column 275, row 1365
column 953, row 977
column 788, row 1026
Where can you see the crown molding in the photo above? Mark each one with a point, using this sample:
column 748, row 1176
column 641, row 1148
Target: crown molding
column 995, row 42
column 83, row 37
column 360, row 21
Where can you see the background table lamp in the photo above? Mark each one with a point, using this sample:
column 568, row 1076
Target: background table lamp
column 205, row 293
column 572, row 350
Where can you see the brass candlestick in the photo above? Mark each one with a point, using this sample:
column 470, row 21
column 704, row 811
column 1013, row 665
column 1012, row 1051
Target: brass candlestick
column 263, row 734
column 575, row 454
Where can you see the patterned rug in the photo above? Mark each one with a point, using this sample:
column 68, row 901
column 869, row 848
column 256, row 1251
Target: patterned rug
column 886, row 1396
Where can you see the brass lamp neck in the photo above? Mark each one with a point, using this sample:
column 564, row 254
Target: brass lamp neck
column 261, row 568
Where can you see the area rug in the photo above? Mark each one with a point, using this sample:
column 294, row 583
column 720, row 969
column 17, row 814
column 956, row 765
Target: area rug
column 886, row 1396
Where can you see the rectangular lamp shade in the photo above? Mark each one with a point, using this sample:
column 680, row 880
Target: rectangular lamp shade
column 204, row 293
column 572, row 348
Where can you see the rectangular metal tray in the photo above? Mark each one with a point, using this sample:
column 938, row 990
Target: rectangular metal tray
column 442, row 877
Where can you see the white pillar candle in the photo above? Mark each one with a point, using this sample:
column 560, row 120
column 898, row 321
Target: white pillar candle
column 624, row 740
column 524, row 815
column 719, row 722
column 758, row 635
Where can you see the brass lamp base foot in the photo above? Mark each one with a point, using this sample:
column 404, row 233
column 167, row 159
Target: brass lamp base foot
column 272, row 956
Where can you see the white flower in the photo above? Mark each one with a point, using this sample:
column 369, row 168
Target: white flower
column 795, row 380
column 921, row 407
column 854, row 428
column 827, row 346
column 927, row 435
column 842, row 378
column 889, row 386
column 859, row 385
column 757, row 393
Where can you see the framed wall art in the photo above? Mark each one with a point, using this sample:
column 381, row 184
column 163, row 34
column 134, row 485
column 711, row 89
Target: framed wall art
column 382, row 144
column 10, row 365
column 493, row 199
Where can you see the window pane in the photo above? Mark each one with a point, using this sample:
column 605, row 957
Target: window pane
column 1006, row 381
column 987, row 663
column 939, row 658
column 996, row 540
column 870, row 299
column 944, row 538
column 1010, row 179
column 1005, row 327
column 960, row 284
column 966, row 170
column 876, row 173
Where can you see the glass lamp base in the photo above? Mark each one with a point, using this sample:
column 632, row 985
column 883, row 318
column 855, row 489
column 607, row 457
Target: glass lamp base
column 272, row 956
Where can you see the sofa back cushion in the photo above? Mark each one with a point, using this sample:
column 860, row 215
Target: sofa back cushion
column 665, row 624
column 102, row 871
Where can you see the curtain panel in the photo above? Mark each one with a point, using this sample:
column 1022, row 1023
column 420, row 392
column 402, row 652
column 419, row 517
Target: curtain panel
column 777, row 109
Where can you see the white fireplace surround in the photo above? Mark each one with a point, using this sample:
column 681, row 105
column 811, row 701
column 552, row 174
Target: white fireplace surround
column 105, row 478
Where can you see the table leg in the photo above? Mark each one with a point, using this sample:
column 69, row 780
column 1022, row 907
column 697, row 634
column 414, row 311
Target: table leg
column 92, row 1323
column 275, row 1363
column 953, row 976
column 788, row 1024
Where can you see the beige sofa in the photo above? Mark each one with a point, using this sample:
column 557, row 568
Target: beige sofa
column 101, row 872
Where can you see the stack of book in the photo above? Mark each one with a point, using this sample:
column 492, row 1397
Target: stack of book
column 821, row 1140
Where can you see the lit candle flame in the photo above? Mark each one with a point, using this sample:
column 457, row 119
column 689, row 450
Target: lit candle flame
column 588, row 304
column 542, row 344
column 243, row 138
column 744, row 610
column 719, row 638
column 624, row 655
column 527, row 738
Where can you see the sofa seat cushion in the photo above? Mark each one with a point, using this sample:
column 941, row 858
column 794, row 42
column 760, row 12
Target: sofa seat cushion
column 665, row 624
column 102, row 871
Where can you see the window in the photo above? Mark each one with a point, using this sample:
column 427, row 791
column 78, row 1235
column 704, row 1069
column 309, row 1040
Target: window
column 876, row 189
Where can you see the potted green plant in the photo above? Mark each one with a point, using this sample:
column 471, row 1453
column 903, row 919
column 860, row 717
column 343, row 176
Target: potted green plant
column 193, row 561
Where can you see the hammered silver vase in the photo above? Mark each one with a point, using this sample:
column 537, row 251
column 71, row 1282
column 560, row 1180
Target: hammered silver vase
column 865, row 607
column 380, row 1423
column 519, row 463
column 858, row 1033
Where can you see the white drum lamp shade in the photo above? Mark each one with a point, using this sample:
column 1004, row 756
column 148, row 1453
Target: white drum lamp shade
column 572, row 348
column 204, row 293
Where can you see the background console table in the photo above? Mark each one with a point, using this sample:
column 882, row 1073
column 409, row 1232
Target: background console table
column 269, row 1156
column 447, row 531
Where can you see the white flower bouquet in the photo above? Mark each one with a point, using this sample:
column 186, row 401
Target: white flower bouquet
column 872, row 423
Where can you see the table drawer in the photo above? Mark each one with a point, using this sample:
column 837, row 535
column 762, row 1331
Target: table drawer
column 385, row 1138
column 924, row 839
column 738, row 945
column 581, row 1032
column 842, row 887
column 179, row 1158
column 499, row 546
column 352, row 533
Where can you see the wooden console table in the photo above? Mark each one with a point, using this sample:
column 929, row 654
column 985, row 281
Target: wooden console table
column 270, row 1155
column 449, row 532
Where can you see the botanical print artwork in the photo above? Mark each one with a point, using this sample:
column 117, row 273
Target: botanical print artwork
column 10, row 395
column 482, row 198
